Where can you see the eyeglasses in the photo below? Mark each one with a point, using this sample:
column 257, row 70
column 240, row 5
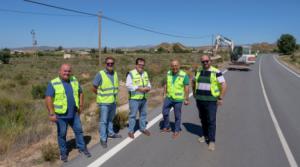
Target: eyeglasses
column 141, row 65
column 110, row 64
column 205, row 61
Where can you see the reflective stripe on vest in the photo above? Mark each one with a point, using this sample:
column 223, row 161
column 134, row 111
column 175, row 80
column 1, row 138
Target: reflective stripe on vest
column 60, row 101
column 176, row 90
column 139, row 81
column 214, row 84
column 107, row 91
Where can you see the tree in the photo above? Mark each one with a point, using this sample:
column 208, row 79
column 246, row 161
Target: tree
column 5, row 56
column 161, row 50
column 93, row 51
column 105, row 50
column 287, row 44
column 59, row 48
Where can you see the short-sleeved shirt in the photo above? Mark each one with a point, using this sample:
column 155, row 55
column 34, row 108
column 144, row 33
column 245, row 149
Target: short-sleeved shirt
column 72, row 109
column 186, row 81
column 98, row 79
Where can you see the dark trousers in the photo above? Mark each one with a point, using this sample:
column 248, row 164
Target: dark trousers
column 62, row 127
column 168, row 104
column 207, row 114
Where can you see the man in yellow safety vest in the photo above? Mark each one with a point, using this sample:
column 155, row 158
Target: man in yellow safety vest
column 106, row 87
column 64, row 101
column 177, row 92
column 138, row 85
column 209, row 88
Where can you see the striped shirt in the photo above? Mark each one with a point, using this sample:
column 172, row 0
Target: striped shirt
column 204, row 85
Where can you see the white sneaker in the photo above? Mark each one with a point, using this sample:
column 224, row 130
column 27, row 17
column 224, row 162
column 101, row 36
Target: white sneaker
column 201, row 139
column 211, row 146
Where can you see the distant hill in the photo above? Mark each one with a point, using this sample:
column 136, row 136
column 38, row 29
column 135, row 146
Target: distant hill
column 166, row 47
column 171, row 47
column 264, row 47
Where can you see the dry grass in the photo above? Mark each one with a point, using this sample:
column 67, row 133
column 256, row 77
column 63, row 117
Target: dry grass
column 50, row 152
column 23, row 117
column 292, row 60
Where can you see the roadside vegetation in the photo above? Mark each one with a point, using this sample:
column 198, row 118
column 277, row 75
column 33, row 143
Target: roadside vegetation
column 23, row 116
column 289, row 50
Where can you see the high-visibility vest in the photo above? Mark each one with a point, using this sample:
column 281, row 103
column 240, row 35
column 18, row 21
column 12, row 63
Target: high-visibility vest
column 176, row 90
column 214, row 84
column 60, row 98
column 107, row 91
column 140, row 81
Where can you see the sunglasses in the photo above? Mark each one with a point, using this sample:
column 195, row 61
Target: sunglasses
column 205, row 61
column 110, row 64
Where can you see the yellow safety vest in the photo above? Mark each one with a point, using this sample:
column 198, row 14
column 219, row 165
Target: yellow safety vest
column 107, row 91
column 214, row 84
column 176, row 90
column 140, row 81
column 60, row 98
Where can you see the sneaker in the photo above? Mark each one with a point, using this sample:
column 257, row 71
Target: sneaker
column 85, row 152
column 103, row 144
column 201, row 139
column 114, row 136
column 146, row 132
column 211, row 146
column 131, row 135
column 64, row 158
column 165, row 130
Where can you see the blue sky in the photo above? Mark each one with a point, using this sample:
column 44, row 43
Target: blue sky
column 243, row 21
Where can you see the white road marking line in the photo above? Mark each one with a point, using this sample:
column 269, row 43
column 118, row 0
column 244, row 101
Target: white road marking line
column 282, row 139
column 106, row 156
column 293, row 72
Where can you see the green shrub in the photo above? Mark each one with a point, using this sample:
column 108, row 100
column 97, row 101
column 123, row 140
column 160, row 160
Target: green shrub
column 5, row 56
column 287, row 44
column 38, row 91
column 50, row 152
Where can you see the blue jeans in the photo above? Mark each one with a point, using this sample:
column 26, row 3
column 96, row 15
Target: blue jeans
column 62, row 126
column 135, row 106
column 168, row 104
column 107, row 113
column 207, row 114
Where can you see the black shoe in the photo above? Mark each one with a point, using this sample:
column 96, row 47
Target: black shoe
column 115, row 136
column 103, row 144
column 64, row 158
column 85, row 152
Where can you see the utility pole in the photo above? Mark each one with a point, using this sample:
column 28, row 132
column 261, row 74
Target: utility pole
column 34, row 43
column 212, row 45
column 99, row 36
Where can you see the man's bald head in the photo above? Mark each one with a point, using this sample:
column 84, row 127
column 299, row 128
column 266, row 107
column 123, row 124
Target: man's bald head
column 205, row 60
column 65, row 71
column 175, row 66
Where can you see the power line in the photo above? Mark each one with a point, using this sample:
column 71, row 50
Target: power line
column 120, row 22
column 35, row 13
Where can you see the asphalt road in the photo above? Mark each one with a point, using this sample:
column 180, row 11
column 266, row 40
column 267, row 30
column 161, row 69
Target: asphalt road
column 246, row 135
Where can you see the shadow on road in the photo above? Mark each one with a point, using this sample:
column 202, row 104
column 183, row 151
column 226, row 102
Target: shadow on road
column 193, row 128
column 71, row 144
